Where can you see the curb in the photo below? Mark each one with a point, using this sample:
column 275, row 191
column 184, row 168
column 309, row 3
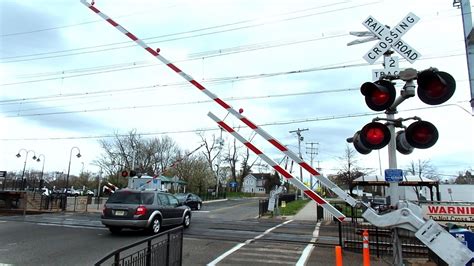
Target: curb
column 219, row 200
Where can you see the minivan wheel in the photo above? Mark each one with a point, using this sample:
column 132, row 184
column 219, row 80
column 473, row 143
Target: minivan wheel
column 115, row 230
column 187, row 220
column 155, row 226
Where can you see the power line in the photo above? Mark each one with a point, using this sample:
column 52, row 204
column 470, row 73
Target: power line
column 208, row 82
column 176, row 104
column 12, row 58
column 127, row 90
column 135, row 67
column 181, row 33
column 275, row 123
column 75, row 24
column 191, row 57
column 144, row 64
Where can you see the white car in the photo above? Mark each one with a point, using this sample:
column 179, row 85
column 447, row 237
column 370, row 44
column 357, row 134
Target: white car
column 72, row 192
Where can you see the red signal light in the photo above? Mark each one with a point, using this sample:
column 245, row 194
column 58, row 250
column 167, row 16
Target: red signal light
column 124, row 173
column 375, row 135
column 435, row 87
column 421, row 134
column 379, row 95
column 372, row 136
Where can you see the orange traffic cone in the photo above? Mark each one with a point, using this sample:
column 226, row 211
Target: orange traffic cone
column 365, row 248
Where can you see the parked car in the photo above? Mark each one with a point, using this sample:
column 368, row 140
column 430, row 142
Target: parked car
column 72, row 192
column 190, row 199
column 147, row 209
column 87, row 192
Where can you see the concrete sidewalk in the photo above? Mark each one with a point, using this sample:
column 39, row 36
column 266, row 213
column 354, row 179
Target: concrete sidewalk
column 307, row 213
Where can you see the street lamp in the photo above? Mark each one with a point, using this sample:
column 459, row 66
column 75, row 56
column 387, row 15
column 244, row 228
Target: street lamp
column 18, row 155
column 78, row 155
column 42, row 168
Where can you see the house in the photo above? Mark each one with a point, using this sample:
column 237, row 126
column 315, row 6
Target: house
column 255, row 183
column 174, row 184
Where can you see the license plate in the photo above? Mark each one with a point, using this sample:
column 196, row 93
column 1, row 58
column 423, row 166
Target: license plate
column 120, row 213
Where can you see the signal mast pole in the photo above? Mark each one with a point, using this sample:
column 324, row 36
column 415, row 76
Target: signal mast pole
column 393, row 190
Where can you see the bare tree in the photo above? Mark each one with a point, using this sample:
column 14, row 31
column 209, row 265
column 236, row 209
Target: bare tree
column 349, row 168
column 422, row 168
column 212, row 152
column 132, row 152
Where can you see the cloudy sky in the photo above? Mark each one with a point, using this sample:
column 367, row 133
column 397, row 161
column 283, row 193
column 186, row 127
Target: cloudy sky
column 68, row 79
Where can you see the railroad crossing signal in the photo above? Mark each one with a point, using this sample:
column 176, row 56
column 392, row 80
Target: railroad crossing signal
column 434, row 87
column 391, row 38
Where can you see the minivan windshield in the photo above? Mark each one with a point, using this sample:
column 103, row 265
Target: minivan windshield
column 130, row 197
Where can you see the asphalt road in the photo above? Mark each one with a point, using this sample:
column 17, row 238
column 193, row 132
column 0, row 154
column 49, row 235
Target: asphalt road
column 220, row 227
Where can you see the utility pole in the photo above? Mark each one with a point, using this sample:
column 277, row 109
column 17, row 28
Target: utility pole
column 300, row 139
column 465, row 6
column 312, row 151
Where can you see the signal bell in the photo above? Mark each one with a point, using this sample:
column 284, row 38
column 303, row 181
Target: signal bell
column 435, row 87
column 379, row 95
column 420, row 135
column 373, row 136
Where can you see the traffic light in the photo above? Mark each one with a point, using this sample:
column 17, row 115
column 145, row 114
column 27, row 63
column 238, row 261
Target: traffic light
column 124, row 173
column 373, row 136
column 379, row 95
column 435, row 87
column 420, row 135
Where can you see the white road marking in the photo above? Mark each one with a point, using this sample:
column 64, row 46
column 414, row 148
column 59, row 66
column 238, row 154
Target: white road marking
column 74, row 226
column 238, row 246
column 309, row 248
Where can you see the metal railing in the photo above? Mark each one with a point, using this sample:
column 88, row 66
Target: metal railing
column 165, row 248
column 380, row 239
column 262, row 207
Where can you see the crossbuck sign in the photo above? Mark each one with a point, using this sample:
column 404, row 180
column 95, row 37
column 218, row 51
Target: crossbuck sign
column 391, row 38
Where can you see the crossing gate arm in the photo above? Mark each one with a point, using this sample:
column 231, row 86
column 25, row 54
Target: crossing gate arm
column 323, row 180
column 299, row 184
